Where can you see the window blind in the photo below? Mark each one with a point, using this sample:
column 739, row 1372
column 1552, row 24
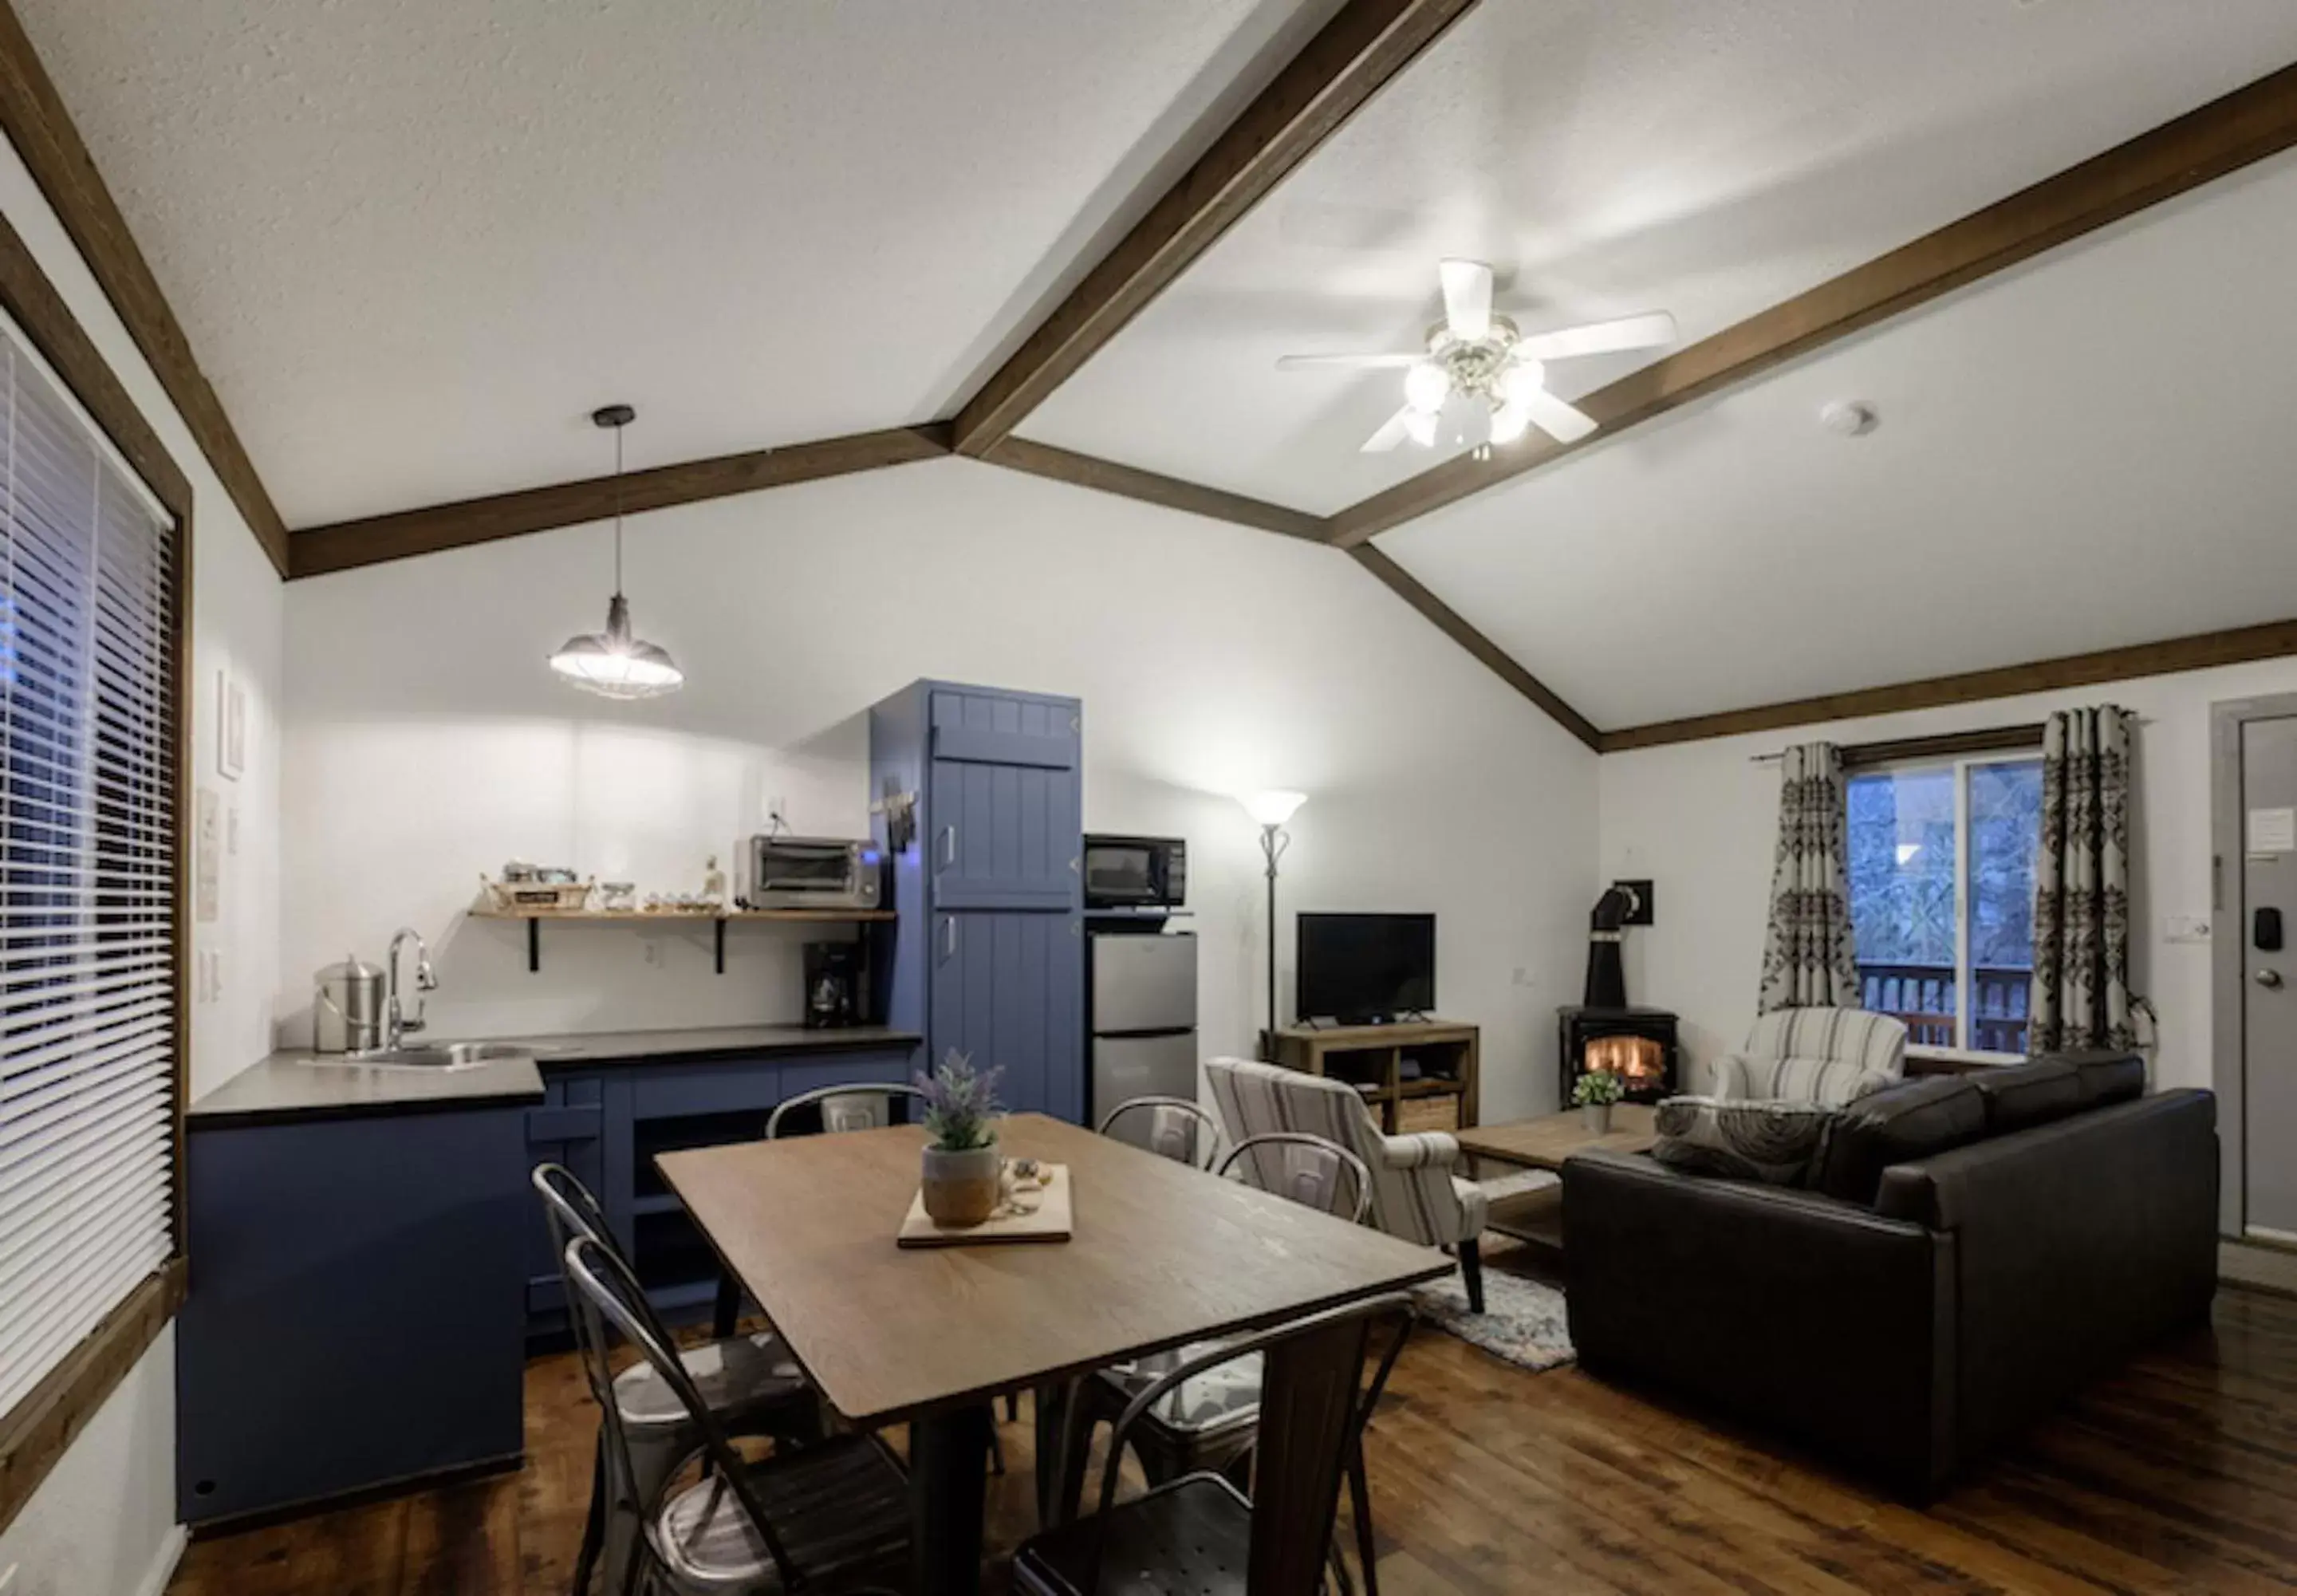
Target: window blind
column 89, row 707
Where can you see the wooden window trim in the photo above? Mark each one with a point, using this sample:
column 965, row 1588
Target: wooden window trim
column 1948, row 746
column 37, row 1431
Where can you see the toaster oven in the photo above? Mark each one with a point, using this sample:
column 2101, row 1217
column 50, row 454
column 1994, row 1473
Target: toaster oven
column 781, row 871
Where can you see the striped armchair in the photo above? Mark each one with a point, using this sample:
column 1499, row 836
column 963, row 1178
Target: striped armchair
column 1829, row 1055
column 1414, row 1194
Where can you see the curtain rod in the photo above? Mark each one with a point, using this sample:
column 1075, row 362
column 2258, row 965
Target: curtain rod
column 1991, row 739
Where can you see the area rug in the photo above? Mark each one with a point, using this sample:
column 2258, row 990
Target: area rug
column 1523, row 1320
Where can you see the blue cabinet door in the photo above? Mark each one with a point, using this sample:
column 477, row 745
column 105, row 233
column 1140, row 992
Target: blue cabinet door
column 1005, row 802
column 1007, row 991
column 569, row 1129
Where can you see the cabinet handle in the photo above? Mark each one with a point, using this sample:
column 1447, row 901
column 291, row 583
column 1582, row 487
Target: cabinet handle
column 947, row 846
column 949, row 937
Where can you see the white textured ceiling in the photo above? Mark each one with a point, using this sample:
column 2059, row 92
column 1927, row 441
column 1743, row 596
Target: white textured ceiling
column 414, row 243
column 2090, row 451
column 1708, row 157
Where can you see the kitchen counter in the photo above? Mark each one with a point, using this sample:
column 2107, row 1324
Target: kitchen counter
column 585, row 1049
column 284, row 1087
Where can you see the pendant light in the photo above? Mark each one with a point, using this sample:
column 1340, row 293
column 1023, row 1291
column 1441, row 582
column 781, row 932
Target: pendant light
column 613, row 663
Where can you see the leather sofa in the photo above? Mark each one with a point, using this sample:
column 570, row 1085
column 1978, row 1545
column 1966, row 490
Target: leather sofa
column 1965, row 1253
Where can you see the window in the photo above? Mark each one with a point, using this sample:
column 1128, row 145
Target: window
column 1942, row 897
column 89, row 704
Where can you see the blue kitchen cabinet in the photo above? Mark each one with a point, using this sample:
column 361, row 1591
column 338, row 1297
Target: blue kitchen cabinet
column 356, row 1314
column 1005, row 990
column 987, row 949
column 570, row 1128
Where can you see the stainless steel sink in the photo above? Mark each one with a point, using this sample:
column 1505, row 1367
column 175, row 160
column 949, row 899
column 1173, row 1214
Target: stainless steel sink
column 442, row 1056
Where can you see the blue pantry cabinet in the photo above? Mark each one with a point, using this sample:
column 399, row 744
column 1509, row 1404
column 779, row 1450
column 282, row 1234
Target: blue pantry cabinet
column 988, row 954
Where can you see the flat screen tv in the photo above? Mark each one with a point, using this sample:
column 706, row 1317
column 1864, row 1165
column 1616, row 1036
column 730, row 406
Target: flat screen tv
column 1362, row 968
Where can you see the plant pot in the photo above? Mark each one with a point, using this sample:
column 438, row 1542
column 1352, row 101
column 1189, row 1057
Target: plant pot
column 961, row 1188
column 1597, row 1117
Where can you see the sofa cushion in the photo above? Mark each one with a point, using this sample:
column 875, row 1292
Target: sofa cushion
column 2018, row 1096
column 2105, row 1074
column 1748, row 1140
column 1930, row 1113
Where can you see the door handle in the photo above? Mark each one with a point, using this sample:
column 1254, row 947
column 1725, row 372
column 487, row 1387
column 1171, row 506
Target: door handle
column 2269, row 978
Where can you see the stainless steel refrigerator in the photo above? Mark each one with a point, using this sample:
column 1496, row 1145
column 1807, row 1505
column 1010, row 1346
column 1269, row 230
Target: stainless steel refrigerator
column 1142, row 992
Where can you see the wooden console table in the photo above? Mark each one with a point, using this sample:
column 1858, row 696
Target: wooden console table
column 1415, row 1075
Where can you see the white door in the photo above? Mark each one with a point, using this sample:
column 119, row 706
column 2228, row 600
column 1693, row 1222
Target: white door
column 2267, row 928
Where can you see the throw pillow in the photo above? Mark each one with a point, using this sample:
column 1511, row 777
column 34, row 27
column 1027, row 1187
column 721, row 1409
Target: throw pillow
column 1930, row 1113
column 1747, row 1139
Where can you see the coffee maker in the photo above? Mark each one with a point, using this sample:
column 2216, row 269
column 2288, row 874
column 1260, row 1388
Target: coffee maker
column 835, row 985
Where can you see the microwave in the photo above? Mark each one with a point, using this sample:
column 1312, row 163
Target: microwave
column 781, row 871
column 1122, row 872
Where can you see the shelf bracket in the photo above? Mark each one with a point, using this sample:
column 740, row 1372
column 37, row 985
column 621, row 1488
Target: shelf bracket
column 720, row 923
column 534, row 947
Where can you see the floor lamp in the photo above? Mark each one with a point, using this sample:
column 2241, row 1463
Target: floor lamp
column 1271, row 810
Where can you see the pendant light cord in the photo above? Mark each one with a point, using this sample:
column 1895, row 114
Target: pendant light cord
column 618, row 509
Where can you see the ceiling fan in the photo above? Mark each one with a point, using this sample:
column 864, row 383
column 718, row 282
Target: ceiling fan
column 1478, row 355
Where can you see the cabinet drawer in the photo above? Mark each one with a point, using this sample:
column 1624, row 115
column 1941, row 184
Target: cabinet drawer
column 580, row 1122
column 659, row 1093
column 801, row 1075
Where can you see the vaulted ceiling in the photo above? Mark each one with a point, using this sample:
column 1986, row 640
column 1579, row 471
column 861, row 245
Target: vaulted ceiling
column 412, row 245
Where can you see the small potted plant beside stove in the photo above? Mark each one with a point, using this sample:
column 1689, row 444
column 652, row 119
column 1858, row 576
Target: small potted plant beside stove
column 1592, row 1094
column 962, row 1174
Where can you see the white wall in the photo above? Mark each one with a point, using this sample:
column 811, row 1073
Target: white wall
column 104, row 1522
column 427, row 743
column 1700, row 818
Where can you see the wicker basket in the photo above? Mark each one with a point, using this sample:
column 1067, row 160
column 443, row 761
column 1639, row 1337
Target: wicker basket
column 1428, row 1114
column 534, row 897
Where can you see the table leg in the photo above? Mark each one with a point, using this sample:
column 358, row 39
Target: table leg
column 1308, row 1395
column 1051, row 1415
column 949, row 1465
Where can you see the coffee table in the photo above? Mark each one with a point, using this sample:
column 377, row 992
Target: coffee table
column 1544, row 1143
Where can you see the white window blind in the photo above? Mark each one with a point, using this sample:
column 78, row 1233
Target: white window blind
column 87, row 868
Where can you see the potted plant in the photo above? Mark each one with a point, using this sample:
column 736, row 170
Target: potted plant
column 962, row 1172
column 1594, row 1094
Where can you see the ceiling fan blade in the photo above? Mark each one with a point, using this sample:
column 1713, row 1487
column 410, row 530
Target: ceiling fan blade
column 1599, row 338
column 1360, row 362
column 1565, row 423
column 1467, row 298
column 1392, row 431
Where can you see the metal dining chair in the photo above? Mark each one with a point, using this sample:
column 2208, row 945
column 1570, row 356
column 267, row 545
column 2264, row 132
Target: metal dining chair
column 751, row 1383
column 1210, row 1422
column 830, row 1517
column 1170, row 1127
column 1195, row 1532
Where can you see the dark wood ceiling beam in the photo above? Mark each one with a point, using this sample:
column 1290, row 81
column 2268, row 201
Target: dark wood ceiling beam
column 1130, row 482
column 1448, row 621
column 33, row 116
column 347, row 544
column 2237, row 646
column 1355, row 53
column 2244, row 126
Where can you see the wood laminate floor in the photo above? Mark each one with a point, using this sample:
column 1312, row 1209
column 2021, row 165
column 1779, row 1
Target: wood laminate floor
column 2180, row 1475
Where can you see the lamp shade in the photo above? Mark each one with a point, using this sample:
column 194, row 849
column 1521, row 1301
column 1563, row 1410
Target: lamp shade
column 615, row 664
column 1273, row 808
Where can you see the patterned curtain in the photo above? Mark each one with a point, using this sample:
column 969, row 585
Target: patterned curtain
column 1807, row 954
column 2080, row 996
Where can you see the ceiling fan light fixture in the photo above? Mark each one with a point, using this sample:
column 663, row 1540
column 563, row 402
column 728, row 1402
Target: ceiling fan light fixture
column 1509, row 422
column 1523, row 378
column 1426, row 387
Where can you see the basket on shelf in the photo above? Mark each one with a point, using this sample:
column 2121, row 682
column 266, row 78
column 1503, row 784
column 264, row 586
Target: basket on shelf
column 555, row 897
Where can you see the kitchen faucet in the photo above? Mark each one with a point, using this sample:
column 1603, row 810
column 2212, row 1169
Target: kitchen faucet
column 396, row 1025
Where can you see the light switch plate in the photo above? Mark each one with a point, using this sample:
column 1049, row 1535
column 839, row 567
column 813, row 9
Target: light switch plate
column 2186, row 928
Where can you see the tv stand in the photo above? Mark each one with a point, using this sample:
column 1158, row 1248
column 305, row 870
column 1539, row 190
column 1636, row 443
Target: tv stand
column 1442, row 1095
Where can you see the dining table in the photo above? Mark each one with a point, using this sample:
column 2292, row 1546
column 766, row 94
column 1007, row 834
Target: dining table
column 1161, row 1255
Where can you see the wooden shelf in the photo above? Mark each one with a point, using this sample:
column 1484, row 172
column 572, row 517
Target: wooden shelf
column 1370, row 1058
column 715, row 918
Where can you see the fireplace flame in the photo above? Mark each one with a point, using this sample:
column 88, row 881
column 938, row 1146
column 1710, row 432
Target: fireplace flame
column 1632, row 1058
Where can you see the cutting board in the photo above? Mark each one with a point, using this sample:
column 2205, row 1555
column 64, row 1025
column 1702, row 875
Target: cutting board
column 1047, row 1220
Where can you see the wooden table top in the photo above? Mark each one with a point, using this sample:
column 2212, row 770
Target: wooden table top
column 1545, row 1142
column 1163, row 1254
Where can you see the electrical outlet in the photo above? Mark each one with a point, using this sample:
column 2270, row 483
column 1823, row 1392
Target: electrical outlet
column 2186, row 928
column 652, row 952
column 1522, row 976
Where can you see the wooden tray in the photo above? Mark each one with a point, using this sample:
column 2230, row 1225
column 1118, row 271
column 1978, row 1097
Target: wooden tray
column 1048, row 1221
